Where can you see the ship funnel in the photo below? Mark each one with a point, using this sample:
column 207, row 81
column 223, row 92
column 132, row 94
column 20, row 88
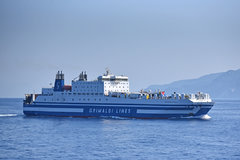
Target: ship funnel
column 59, row 81
column 83, row 76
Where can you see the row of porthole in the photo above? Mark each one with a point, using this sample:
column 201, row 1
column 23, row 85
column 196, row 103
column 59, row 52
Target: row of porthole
column 81, row 100
column 83, row 90
column 86, row 87
column 117, row 83
column 83, row 93
column 97, row 87
column 116, row 90
column 115, row 86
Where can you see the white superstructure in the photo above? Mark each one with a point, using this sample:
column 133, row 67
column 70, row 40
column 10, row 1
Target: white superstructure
column 103, row 85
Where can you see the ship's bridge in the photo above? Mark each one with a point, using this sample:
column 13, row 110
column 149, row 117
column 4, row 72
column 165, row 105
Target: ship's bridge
column 112, row 78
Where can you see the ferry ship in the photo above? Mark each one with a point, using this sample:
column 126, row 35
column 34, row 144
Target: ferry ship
column 109, row 96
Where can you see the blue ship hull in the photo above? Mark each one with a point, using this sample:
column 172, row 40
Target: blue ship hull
column 117, row 110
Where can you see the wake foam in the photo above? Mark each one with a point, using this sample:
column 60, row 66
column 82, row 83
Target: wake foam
column 203, row 117
column 8, row 115
column 115, row 117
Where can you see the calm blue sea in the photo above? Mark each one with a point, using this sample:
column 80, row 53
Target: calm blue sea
column 46, row 138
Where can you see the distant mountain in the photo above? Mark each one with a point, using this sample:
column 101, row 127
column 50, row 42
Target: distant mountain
column 218, row 85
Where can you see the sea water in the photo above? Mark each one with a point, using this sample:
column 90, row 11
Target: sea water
column 48, row 138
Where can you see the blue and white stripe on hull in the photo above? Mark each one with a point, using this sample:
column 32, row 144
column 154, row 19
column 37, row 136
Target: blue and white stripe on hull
column 44, row 109
column 100, row 110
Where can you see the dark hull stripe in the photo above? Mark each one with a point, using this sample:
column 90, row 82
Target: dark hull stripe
column 174, row 104
column 141, row 116
column 99, row 106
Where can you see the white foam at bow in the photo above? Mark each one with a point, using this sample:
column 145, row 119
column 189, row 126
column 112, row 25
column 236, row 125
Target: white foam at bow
column 206, row 117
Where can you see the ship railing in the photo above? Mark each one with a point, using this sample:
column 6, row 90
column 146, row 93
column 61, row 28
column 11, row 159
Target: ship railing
column 147, row 95
column 30, row 98
column 199, row 96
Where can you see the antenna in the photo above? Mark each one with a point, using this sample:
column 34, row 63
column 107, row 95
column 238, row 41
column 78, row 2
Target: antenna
column 107, row 71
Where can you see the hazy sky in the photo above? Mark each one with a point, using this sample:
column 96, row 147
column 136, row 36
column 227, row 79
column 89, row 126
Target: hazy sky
column 151, row 41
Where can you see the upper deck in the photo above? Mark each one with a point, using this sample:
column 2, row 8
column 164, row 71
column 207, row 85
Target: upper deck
column 107, row 87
